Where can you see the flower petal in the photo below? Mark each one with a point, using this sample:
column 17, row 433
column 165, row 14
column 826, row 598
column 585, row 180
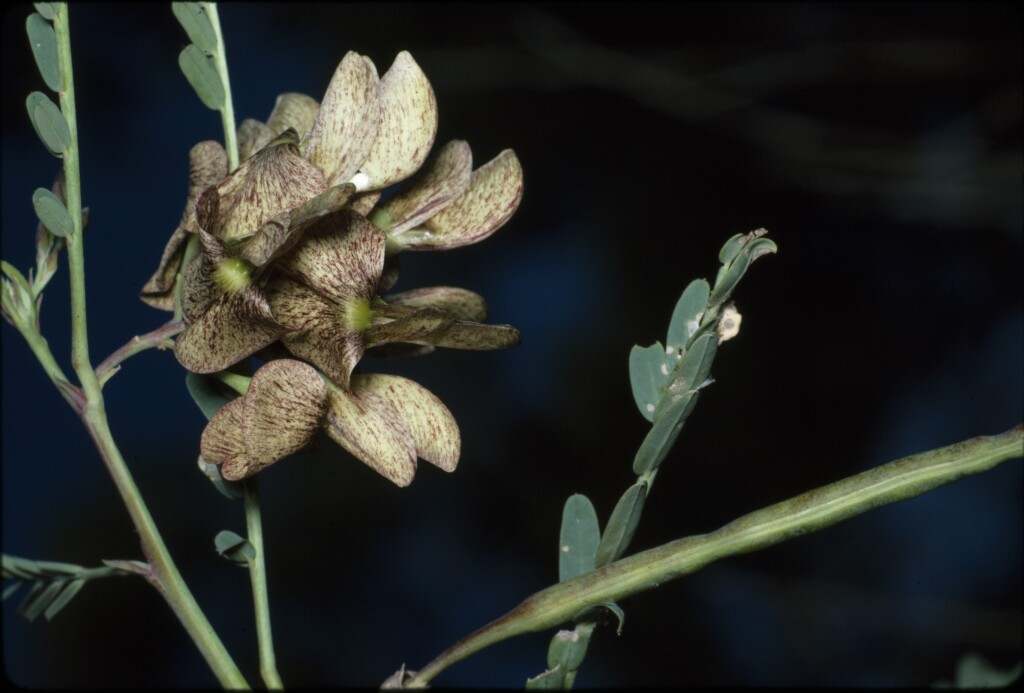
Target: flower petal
column 224, row 437
column 274, row 180
column 364, row 202
column 341, row 257
column 439, row 328
column 418, row 325
column 433, row 428
column 231, row 328
column 432, row 190
column 252, row 137
column 277, row 417
column 408, row 125
column 372, row 430
column 461, row 304
column 198, row 289
column 317, row 332
column 280, row 234
column 296, row 111
column 347, row 122
column 475, row 336
column 208, row 165
column 493, row 196
column 272, row 240
column 159, row 290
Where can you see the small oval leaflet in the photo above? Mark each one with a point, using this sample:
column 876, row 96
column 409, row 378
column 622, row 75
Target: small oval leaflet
column 201, row 73
column 46, row 9
column 648, row 374
column 578, row 539
column 689, row 309
column 622, row 524
column 52, row 213
column 196, row 23
column 49, row 123
column 234, row 548
column 44, row 48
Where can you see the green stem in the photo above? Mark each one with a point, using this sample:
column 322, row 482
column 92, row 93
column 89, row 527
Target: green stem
column 808, row 512
column 227, row 113
column 159, row 338
column 167, row 579
column 41, row 348
column 258, row 576
column 238, row 383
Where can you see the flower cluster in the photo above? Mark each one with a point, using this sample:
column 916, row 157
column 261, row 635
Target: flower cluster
column 296, row 254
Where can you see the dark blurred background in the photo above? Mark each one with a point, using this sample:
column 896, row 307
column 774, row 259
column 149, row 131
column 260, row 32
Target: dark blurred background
column 879, row 144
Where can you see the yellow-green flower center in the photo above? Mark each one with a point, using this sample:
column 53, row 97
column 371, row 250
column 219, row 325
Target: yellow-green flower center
column 233, row 274
column 359, row 314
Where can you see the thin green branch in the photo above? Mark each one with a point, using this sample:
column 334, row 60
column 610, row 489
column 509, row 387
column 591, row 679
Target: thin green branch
column 160, row 338
column 170, row 583
column 258, row 576
column 41, row 348
column 808, row 512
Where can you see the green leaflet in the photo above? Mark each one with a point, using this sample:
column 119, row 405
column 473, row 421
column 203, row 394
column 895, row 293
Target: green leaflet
column 201, row 73
column 647, row 376
column 622, row 524
column 751, row 247
column 63, row 597
column 196, row 23
column 46, row 9
column 234, row 548
column 663, row 433
column 686, row 317
column 44, row 48
column 578, row 539
column 49, row 123
column 52, row 212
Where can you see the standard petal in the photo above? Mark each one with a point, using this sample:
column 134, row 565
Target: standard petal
column 252, row 137
column 274, row 180
column 347, row 122
column 231, row 328
column 341, row 257
column 433, row 428
column 461, row 304
column 408, row 125
column 280, row 234
column 495, row 190
column 208, row 165
column 433, row 189
column 372, row 430
column 296, row 111
column 316, row 329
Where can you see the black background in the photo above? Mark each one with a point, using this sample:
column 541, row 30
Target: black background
column 879, row 144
